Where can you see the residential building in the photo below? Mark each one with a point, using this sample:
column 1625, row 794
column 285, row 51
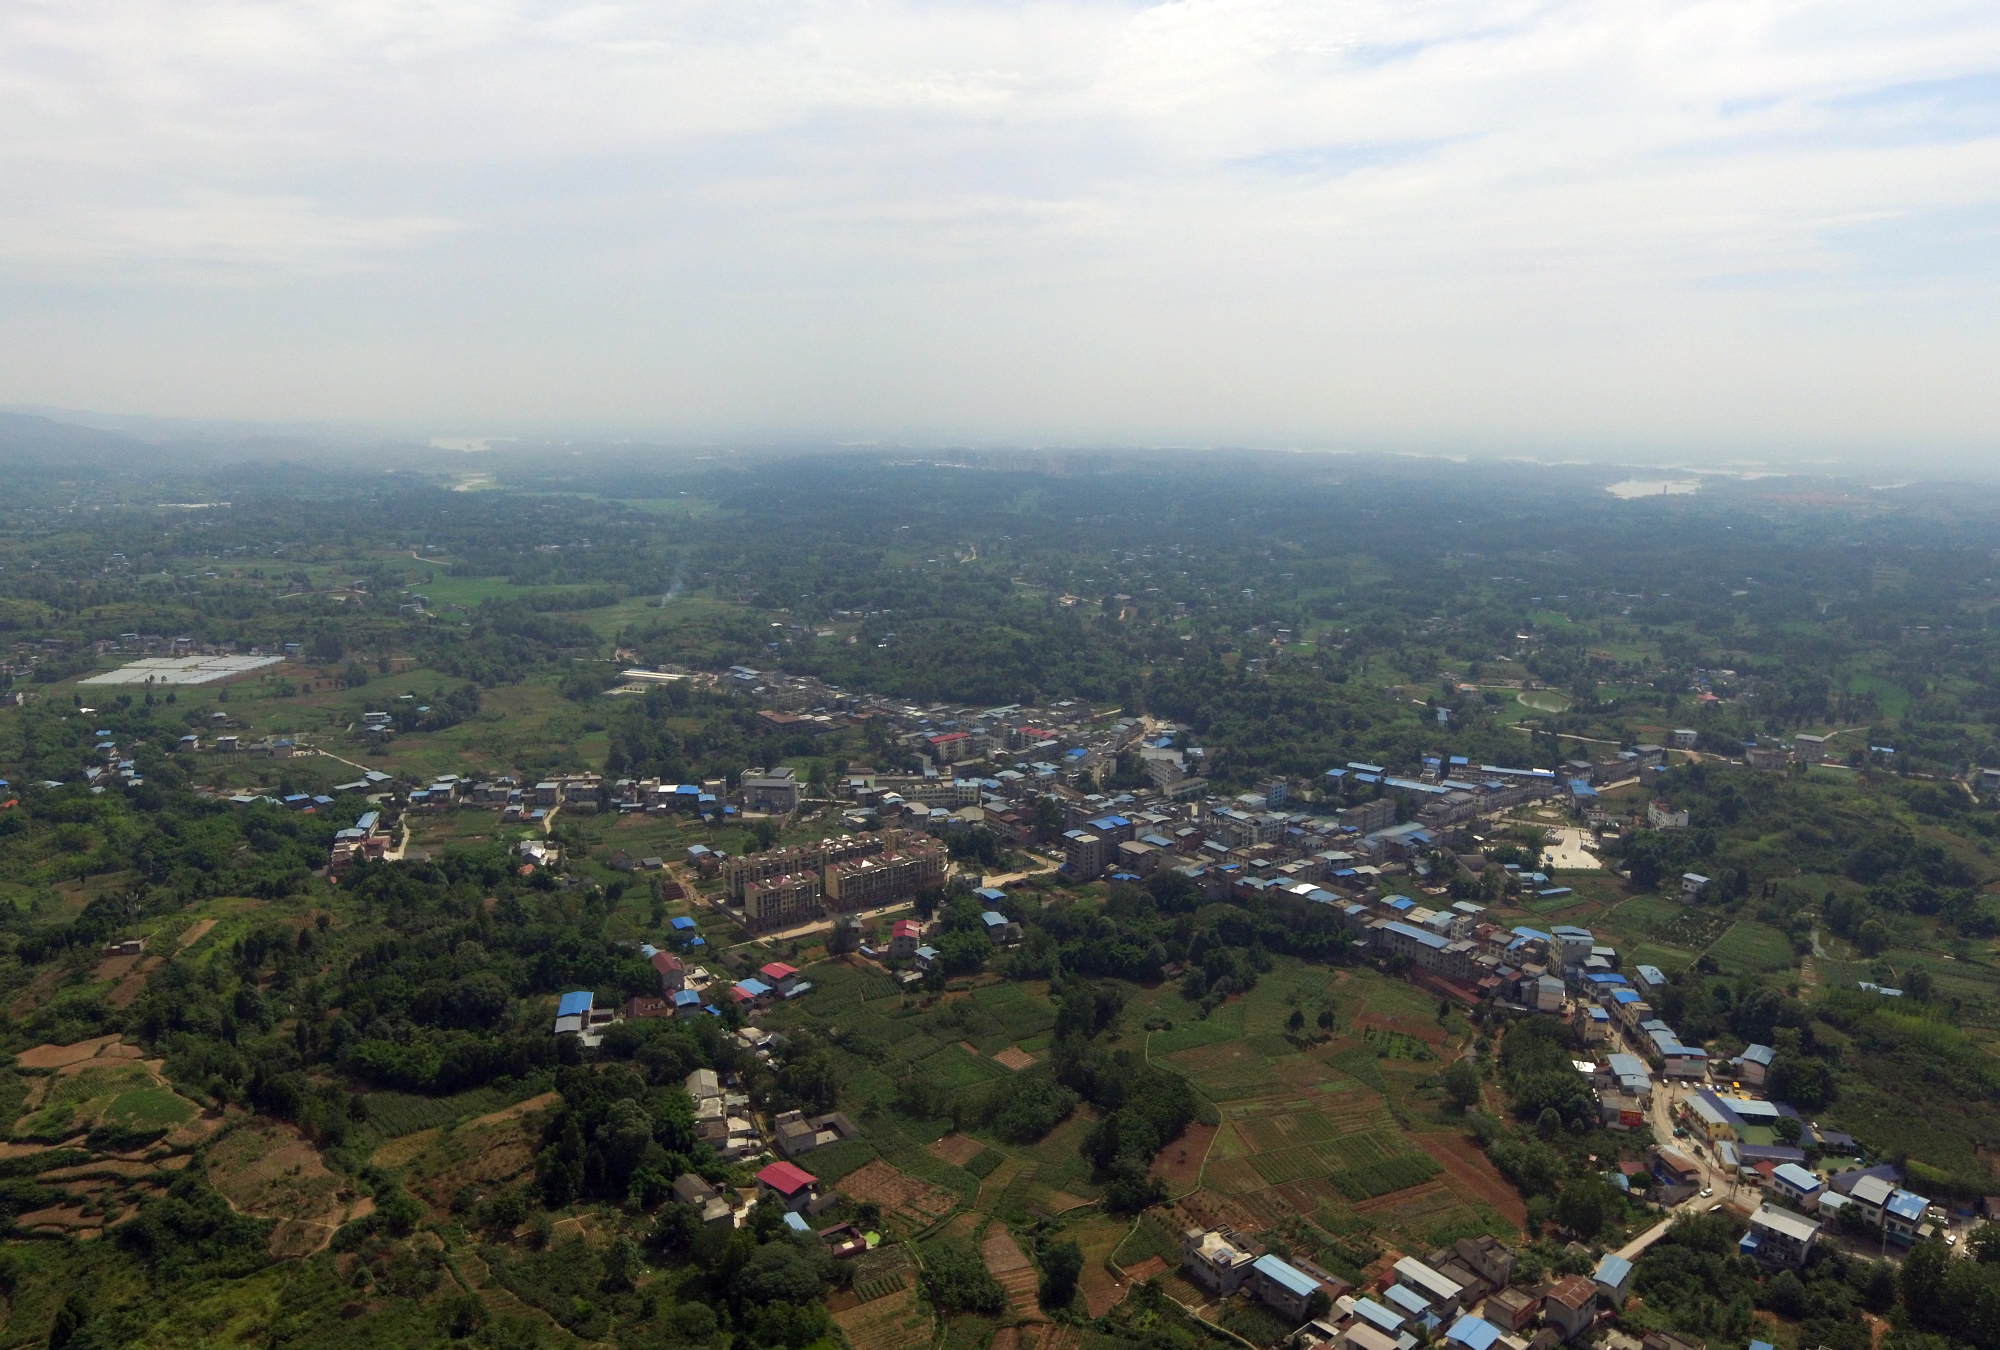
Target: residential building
column 1083, row 855
column 791, row 1185
column 1766, row 758
column 1511, row 1309
column 904, row 939
column 1216, row 1259
column 908, row 865
column 1778, row 1237
column 672, row 972
column 1754, row 1064
column 1614, row 1279
column 1471, row 1333
column 782, row 902
column 796, row 1134
column 1660, row 816
column 715, row 1204
column 1798, row 1186
column 1685, row 738
column 774, row 790
column 1903, row 1216
column 1487, row 1257
column 1283, row 1288
column 1808, row 749
column 1692, row 885
column 1571, row 1305
column 1441, row 1294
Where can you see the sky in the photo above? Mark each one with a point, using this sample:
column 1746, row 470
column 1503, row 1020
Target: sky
column 1751, row 228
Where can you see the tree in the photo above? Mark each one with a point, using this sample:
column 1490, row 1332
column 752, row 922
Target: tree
column 1062, row 1266
column 1461, row 1084
column 1788, row 1129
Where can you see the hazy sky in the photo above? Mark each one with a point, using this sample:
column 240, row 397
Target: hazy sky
column 1737, row 225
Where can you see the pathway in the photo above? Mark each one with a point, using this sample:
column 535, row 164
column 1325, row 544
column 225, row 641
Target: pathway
column 1632, row 1250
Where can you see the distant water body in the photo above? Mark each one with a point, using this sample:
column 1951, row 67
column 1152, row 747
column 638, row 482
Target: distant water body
column 1657, row 487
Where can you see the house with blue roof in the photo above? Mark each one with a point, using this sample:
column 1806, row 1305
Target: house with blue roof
column 1407, row 1302
column 573, row 1013
column 687, row 1003
column 1471, row 1333
column 1754, row 1064
column 1797, row 1185
column 1282, row 1287
column 1614, row 1279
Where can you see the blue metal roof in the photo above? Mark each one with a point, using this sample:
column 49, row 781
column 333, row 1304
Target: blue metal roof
column 1613, row 1270
column 683, row 924
column 1378, row 1315
column 1796, row 1177
column 1758, row 1054
column 687, row 998
column 993, row 917
column 1277, row 1271
column 1905, row 1205
column 571, row 1004
column 1475, row 1333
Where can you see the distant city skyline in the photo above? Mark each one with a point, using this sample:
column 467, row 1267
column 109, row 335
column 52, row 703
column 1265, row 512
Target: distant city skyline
column 1698, row 230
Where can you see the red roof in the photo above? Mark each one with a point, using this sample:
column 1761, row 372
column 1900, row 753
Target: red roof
column 666, row 963
column 1574, row 1291
column 786, row 1179
column 908, row 928
column 951, row 736
column 776, row 971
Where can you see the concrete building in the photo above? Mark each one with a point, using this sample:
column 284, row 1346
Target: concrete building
column 1443, row 1295
column 773, row 790
column 909, row 865
column 782, row 902
column 1571, row 1305
column 1808, row 749
column 1778, row 1237
column 1216, row 1259
column 1613, row 1278
column 1798, row 1186
column 1083, row 855
column 1283, row 1288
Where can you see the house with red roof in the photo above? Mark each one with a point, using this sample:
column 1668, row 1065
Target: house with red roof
column 672, row 972
column 780, row 976
column 907, row 936
column 790, row 1183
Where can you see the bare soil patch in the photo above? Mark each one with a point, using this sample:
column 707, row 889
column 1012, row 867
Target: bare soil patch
column 1474, row 1176
column 196, row 931
column 957, row 1149
column 1014, row 1057
column 1146, row 1270
column 913, row 1203
column 1179, row 1163
column 1421, row 1028
column 516, row 1111
column 59, row 1056
column 270, row 1171
column 1011, row 1267
column 129, row 988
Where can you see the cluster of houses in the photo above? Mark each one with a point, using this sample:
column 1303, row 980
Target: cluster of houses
column 801, row 883
column 1463, row 1295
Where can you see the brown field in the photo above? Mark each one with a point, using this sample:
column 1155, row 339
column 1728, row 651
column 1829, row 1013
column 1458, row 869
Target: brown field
column 1099, row 1237
column 1473, row 1176
column 270, row 1171
column 58, row 1056
column 1419, row 1028
column 891, row 1323
column 957, row 1149
column 487, row 1154
column 196, row 931
column 914, row 1203
column 1179, row 1163
column 1009, row 1265
column 1014, row 1057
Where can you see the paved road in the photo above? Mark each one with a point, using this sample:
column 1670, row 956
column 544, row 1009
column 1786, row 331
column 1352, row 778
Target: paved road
column 1631, row 1250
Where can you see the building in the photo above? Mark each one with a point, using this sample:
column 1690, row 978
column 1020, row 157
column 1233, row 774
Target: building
column 1798, row 1186
column 1441, row 1294
column 1660, row 816
column 1216, row 1259
column 1685, row 738
column 1808, row 749
column 573, row 1013
column 796, row 1134
column 908, row 865
column 1767, row 758
column 1614, row 1279
column 1692, row 885
column 1778, row 1237
column 703, row 1085
column 1471, row 1333
column 672, row 972
column 1675, row 1172
column 1281, row 1287
column 1485, row 1256
column 793, row 1186
column 775, row 790
column 714, row 1203
column 782, row 902
column 1083, row 855
column 1511, row 1309
column 1754, row 1064
column 904, row 939
column 783, row 978
column 1903, row 1217
column 1571, row 1305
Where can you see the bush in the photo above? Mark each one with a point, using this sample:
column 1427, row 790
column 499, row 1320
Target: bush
column 958, row 1281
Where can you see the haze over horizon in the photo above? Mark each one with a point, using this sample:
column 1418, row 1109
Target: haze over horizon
column 1758, row 229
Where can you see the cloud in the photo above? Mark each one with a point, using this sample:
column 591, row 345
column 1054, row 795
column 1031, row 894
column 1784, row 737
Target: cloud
column 1476, row 221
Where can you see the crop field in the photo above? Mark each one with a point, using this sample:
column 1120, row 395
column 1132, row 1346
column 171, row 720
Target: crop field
column 1021, row 1011
column 393, row 1114
column 1753, row 948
